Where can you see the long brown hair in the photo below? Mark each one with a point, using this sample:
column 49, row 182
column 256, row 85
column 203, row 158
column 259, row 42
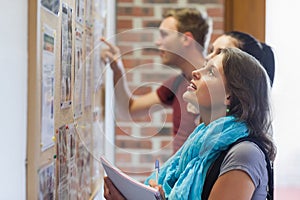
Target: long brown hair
column 249, row 89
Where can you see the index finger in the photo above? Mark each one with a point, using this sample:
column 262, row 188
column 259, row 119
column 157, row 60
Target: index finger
column 107, row 43
column 152, row 183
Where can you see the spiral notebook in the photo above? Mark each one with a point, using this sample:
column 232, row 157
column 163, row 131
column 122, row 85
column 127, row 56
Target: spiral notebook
column 129, row 187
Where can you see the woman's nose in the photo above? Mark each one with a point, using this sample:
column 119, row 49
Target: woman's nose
column 196, row 74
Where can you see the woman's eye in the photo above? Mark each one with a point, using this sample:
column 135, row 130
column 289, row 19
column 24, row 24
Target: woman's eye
column 218, row 51
column 210, row 50
column 211, row 72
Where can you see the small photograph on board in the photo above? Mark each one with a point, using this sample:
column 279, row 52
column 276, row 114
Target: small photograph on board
column 46, row 182
column 51, row 5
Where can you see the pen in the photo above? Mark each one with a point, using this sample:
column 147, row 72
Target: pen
column 156, row 170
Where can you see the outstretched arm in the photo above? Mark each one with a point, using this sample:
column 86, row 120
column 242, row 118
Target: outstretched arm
column 126, row 105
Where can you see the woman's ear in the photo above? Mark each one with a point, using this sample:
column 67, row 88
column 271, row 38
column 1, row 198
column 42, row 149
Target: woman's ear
column 227, row 100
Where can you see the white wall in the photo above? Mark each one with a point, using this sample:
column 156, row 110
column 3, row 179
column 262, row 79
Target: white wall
column 282, row 32
column 13, row 100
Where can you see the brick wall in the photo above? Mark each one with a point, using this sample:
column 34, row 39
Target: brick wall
column 139, row 143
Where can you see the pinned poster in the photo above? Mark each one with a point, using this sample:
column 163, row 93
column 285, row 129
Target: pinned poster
column 48, row 80
column 46, row 182
column 66, row 56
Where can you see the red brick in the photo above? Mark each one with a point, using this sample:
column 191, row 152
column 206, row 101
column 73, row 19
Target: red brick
column 167, row 145
column 134, row 144
column 123, row 130
column 124, row 1
column 217, row 25
column 123, row 157
column 160, row 1
column 151, row 23
column 124, row 24
column 203, row 1
column 169, row 117
column 215, row 12
column 149, row 131
column 125, row 50
column 136, row 36
column 135, row 11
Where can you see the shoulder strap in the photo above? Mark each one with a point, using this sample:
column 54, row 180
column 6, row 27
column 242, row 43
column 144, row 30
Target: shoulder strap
column 214, row 170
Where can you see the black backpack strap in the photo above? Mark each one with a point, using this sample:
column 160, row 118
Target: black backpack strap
column 212, row 175
column 214, row 170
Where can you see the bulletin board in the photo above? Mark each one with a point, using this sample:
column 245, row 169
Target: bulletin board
column 66, row 90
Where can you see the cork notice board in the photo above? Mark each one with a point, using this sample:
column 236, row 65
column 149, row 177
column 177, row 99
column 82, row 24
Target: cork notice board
column 65, row 99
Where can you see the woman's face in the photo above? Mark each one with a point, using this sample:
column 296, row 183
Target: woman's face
column 207, row 88
column 220, row 43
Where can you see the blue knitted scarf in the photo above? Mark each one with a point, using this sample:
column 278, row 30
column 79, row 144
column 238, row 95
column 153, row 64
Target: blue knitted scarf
column 182, row 176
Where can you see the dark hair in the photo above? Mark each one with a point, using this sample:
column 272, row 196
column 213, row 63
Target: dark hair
column 249, row 89
column 192, row 20
column 261, row 51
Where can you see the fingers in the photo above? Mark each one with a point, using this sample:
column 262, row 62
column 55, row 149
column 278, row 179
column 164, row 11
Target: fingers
column 110, row 191
column 106, row 42
column 161, row 191
column 112, row 53
column 152, row 183
column 106, row 188
column 112, row 48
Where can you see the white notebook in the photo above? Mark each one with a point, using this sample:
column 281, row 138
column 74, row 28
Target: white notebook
column 130, row 188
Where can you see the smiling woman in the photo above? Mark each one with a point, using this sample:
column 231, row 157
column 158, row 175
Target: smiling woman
column 238, row 108
column 207, row 90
